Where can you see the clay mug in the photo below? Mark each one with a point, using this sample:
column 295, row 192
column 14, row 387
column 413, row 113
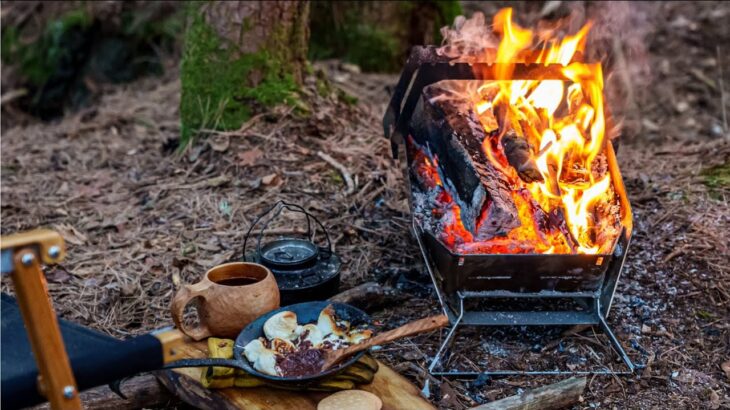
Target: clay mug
column 231, row 296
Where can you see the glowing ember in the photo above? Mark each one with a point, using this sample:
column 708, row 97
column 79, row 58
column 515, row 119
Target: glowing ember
column 570, row 207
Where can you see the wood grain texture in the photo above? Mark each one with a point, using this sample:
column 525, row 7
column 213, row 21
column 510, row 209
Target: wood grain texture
column 558, row 395
column 393, row 389
column 44, row 333
column 225, row 310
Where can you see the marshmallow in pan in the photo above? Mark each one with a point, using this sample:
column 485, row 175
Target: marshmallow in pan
column 282, row 325
column 262, row 358
column 312, row 334
column 327, row 323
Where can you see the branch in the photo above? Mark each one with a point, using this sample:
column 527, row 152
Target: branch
column 553, row 396
column 345, row 173
column 368, row 296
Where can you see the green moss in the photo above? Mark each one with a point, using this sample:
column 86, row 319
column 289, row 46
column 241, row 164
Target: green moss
column 717, row 177
column 40, row 59
column 372, row 48
column 353, row 39
column 214, row 90
column 346, row 98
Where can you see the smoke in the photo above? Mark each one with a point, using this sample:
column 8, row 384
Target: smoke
column 618, row 39
column 467, row 39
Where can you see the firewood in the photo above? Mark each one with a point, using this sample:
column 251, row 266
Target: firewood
column 558, row 395
column 447, row 123
column 519, row 155
column 369, row 296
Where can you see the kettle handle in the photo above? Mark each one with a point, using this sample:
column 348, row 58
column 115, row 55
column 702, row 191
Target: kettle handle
column 279, row 206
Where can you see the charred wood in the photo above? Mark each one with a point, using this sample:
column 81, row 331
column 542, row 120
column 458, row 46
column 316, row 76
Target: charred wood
column 446, row 123
column 519, row 155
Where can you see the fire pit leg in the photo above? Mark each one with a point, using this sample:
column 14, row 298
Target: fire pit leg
column 426, row 391
column 614, row 341
column 449, row 338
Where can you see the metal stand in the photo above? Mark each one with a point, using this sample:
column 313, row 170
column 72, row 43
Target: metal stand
column 495, row 318
column 593, row 314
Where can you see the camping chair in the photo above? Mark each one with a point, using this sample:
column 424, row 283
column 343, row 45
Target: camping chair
column 44, row 358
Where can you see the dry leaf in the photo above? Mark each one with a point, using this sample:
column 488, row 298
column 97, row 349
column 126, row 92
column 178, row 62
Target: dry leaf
column 217, row 181
column 726, row 368
column 271, row 179
column 71, row 234
column 449, row 398
column 249, row 158
column 219, row 142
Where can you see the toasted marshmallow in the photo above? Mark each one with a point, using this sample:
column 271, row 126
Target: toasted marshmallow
column 282, row 346
column 262, row 359
column 327, row 323
column 253, row 349
column 282, row 325
column 358, row 336
column 266, row 362
column 312, row 334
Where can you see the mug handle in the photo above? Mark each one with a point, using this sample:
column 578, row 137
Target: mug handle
column 181, row 299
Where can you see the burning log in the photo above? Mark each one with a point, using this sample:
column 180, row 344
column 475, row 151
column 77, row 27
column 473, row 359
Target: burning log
column 447, row 124
column 519, row 155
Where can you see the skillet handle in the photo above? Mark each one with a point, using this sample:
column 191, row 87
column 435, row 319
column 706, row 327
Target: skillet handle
column 217, row 362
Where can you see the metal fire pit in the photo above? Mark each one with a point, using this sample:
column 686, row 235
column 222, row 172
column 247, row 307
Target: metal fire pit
column 587, row 281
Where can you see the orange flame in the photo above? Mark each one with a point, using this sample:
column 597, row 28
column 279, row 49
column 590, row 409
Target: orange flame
column 563, row 122
column 566, row 129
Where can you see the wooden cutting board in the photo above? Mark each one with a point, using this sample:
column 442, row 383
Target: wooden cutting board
column 393, row 389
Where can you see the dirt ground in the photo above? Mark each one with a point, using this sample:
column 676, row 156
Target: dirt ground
column 140, row 219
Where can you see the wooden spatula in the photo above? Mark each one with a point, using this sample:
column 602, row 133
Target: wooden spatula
column 332, row 357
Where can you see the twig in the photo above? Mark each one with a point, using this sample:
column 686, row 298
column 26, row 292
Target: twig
column 345, row 173
column 722, row 90
column 13, row 95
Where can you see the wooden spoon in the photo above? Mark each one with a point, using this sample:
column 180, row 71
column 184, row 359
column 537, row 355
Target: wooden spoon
column 332, row 357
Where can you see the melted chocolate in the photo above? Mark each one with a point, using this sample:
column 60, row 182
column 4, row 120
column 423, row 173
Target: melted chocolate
column 303, row 362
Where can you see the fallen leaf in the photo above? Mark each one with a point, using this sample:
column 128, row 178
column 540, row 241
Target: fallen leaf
column 449, row 398
column 249, row 158
column 71, row 234
column 58, row 275
column 217, row 181
column 726, row 368
column 271, row 179
column 195, row 152
column 219, row 142
column 714, row 400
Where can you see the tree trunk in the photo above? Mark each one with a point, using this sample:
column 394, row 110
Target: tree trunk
column 239, row 56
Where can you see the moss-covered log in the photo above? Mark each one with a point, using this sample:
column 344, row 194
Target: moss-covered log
column 238, row 56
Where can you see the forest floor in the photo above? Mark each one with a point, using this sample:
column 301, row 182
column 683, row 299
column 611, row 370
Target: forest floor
column 140, row 218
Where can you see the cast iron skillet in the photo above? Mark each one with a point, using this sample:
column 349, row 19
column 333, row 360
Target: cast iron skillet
column 307, row 312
